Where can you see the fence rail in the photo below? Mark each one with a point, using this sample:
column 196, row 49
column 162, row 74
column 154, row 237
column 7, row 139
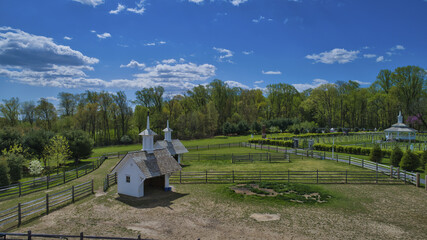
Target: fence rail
column 25, row 211
column 42, row 183
column 238, row 158
column 110, row 180
column 29, row 235
column 306, row 177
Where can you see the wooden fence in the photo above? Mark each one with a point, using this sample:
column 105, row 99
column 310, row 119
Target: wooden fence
column 238, row 158
column 26, row 211
column 110, row 180
column 39, row 184
column 29, row 235
column 305, row 177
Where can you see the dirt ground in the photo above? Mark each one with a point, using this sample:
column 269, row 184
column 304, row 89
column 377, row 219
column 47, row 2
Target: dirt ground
column 207, row 212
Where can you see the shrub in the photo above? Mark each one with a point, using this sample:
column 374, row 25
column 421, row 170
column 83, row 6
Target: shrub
column 376, row 154
column 125, row 139
column 4, row 178
column 35, row 167
column 14, row 163
column 396, row 156
column 81, row 144
column 410, row 161
column 424, row 158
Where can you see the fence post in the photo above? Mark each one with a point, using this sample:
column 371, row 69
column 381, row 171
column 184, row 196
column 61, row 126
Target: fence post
column 139, row 237
column 29, row 235
column 233, row 175
column 108, row 181
column 72, row 194
column 64, row 175
column 317, row 178
column 19, row 214
column 47, row 203
column 206, row 176
column 92, row 186
column 398, row 172
column 391, row 171
column 77, row 172
column 81, row 236
column 47, row 181
column 363, row 163
column 19, row 184
column 349, row 160
column 180, row 172
column 346, row 177
column 417, row 180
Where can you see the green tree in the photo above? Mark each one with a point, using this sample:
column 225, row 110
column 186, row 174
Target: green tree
column 81, row 144
column 28, row 109
column 46, row 113
column 396, row 156
column 9, row 137
column 57, row 151
column 67, row 103
column 376, row 154
column 10, row 110
column 15, row 162
column 410, row 161
column 35, row 141
column 4, row 178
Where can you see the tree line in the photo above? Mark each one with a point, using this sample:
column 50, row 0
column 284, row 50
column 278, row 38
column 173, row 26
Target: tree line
column 217, row 108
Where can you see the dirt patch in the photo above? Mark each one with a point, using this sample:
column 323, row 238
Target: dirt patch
column 265, row 217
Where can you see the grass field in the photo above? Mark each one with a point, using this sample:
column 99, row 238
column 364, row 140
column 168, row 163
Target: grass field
column 210, row 211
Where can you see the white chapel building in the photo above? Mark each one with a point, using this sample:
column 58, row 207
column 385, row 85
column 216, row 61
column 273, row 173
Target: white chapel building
column 148, row 167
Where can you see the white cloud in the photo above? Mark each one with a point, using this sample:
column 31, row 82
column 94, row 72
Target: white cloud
column 162, row 42
column 196, row 1
column 92, row 3
column 225, row 54
column 397, row 47
column 139, row 8
column 181, row 60
column 67, row 38
column 248, row 52
column 133, row 64
column 338, row 55
column 361, row 83
column 236, row 84
column 271, row 72
column 37, row 60
column 119, row 8
column 259, row 82
column 237, row 2
column 169, row 61
column 92, row 31
column 52, row 99
column 369, row 55
column 380, row 59
column 261, row 18
column 103, row 36
column 304, row 86
column 150, row 44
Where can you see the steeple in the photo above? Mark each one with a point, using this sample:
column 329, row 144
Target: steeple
column 168, row 132
column 148, row 137
column 400, row 118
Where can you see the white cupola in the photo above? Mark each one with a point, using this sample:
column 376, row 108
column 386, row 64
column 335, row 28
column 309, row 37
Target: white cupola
column 148, row 137
column 400, row 118
column 168, row 132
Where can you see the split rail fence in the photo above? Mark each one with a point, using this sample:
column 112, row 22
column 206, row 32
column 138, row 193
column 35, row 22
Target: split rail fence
column 241, row 157
column 42, row 183
column 110, row 180
column 29, row 235
column 44, row 205
column 305, row 177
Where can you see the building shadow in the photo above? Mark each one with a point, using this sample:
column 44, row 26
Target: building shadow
column 153, row 197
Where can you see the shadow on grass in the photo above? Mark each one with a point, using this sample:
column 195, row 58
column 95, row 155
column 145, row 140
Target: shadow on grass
column 152, row 198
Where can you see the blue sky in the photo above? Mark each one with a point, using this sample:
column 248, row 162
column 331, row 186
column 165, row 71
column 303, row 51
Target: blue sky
column 51, row 46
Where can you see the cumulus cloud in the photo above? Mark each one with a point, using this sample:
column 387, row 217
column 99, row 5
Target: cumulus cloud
column 259, row 82
column 361, row 83
column 380, row 59
column 119, row 8
column 314, row 84
column 237, row 2
column 139, row 8
column 67, row 38
column 248, row 52
column 369, row 55
column 236, row 84
column 92, row 3
column 226, row 54
column 196, row 1
column 169, row 61
column 271, row 72
column 338, row 55
column 38, row 60
column 103, row 36
column 133, row 64
column 397, row 47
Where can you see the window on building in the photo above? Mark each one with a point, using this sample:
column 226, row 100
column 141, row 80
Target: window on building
column 128, row 179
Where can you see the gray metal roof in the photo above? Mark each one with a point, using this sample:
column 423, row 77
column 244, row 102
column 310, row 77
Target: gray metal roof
column 158, row 163
column 174, row 147
column 148, row 132
column 400, row 127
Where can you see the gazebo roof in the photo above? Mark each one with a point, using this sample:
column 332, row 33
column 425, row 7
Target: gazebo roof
column 400, row 127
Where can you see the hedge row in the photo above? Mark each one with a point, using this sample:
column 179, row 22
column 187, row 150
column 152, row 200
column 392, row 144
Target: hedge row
column 290, row 135
column 281, row 143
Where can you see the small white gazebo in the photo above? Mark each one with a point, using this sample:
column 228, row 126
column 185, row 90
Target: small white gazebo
column 400, row 131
